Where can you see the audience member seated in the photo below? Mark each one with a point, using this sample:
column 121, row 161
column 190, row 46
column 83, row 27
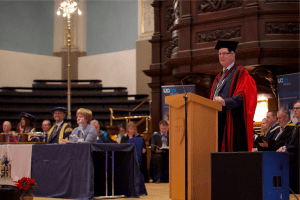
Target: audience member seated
column 160, row 157
column 6, row 126
column 273, row 123
column 84, row 117
column 102, row 135
column 274, row 128
column 131, row 133
column 61, row 129
column 121, row 130
column 264, row 130
column 292, row 146
column 278, row 140
column 46, row 125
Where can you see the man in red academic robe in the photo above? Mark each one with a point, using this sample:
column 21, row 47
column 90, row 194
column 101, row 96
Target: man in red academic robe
column 236, row 90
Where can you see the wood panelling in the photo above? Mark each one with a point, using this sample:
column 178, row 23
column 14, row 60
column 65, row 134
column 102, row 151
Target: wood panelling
column 186, row 32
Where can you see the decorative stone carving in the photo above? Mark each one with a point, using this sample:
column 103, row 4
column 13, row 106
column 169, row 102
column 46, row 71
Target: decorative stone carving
column 173, row 13
column 205, row 6
column 170, row 17
column 176, row 6
column 219, row 34
column 291, row 28
column 169, row 49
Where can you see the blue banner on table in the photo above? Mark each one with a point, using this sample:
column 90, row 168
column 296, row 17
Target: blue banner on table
column 173, row 90
column 288, row 92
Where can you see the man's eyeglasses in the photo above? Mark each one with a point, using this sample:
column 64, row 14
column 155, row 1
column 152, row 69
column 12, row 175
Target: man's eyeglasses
column 223, row 53
column 296, row 108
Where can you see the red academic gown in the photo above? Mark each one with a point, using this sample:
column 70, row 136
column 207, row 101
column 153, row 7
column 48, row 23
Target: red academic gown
column 235, row 127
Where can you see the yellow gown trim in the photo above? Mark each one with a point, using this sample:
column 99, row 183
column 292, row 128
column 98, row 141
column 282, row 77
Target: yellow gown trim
column 61, row 133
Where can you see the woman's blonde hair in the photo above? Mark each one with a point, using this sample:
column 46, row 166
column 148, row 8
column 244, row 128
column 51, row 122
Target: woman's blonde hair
column 87, row 114
column 262, row 133
column 131, row 124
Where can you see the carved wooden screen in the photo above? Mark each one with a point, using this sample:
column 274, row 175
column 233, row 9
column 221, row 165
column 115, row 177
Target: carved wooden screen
column 186, row 33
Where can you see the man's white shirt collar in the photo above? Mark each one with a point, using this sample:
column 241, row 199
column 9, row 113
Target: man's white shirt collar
column 58, row 125
column 229, row 67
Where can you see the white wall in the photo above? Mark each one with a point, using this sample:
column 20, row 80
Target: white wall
column 111, row 26
column 117, row 69
column 20, row 69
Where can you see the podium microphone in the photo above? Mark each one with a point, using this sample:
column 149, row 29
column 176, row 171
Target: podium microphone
column 186, row 140
column 183, row 86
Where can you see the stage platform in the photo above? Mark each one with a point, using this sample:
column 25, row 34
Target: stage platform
column 155, row 191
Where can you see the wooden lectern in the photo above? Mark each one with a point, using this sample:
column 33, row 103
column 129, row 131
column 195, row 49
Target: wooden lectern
column 202, row 123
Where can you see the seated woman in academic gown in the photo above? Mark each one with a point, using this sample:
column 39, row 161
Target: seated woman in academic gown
column 84, row 117
column 132, row 132
column 27, row 123
column 263, row 134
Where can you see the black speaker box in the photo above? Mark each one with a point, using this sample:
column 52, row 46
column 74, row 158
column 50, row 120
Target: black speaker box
column 250, row 176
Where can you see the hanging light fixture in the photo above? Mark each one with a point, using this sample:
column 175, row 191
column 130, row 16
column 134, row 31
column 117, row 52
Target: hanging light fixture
column 68, row 7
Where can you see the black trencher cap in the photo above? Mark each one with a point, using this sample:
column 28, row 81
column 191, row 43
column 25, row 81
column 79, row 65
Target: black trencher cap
column 230, row 45
column 62, row 109
column 27, row 115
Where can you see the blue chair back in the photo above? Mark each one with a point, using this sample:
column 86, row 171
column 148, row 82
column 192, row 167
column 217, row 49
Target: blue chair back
column 138, row 143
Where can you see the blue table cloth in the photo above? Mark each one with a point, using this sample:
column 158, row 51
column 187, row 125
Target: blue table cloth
column 77, row 171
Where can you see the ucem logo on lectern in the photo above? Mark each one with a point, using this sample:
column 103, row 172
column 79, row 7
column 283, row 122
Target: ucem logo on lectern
column 284, row 81
column 169, row 90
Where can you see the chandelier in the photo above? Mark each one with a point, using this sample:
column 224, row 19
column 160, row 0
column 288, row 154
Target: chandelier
column 68, row 7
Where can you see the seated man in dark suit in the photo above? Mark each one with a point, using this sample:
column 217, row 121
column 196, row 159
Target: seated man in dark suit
column 278, row 140
column 292, row 147
column 61, row 129
column 273, row 123
column 160, row 157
